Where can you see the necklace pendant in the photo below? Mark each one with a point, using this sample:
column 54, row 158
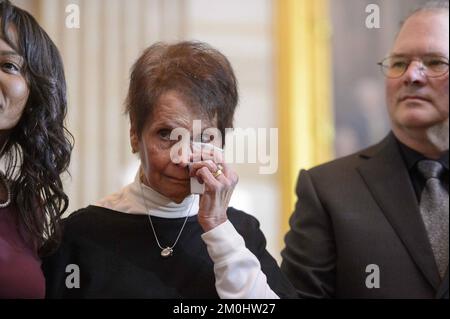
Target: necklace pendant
column 167, row 252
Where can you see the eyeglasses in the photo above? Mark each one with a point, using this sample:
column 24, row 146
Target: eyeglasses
column 432, row 66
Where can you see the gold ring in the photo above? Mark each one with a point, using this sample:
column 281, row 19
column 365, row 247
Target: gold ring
column 219, row 167
column 218, row 173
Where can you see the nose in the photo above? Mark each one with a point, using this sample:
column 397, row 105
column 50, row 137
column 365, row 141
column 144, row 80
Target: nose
column 415, row 74
column 181, row 158
column 183, row 161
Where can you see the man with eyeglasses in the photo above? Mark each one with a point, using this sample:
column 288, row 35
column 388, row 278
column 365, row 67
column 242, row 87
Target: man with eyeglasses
column 375, row 224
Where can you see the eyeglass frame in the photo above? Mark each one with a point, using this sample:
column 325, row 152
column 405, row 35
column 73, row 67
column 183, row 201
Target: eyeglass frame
column 423, row 67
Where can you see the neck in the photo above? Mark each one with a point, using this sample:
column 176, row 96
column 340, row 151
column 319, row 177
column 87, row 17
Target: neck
column 431, row 142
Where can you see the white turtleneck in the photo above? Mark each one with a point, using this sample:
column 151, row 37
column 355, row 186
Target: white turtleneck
column 237, row 270
column 134, row 200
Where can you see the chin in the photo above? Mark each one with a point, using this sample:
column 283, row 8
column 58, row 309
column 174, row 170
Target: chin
column 417, row 118
column 177, row 193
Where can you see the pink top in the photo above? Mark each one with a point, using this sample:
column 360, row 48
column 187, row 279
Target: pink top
column 20, row 267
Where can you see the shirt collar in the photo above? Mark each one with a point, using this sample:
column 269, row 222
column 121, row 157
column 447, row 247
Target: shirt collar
column 411, row 156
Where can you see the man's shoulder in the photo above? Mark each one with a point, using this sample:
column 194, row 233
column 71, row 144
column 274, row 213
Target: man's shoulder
column 349, row 162
column 345, row 163
column 356, row 158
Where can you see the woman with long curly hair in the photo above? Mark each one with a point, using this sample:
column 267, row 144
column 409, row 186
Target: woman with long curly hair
column 35, row 150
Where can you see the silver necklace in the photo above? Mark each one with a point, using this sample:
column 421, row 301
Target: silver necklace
column 167, row 251
column 8, row 191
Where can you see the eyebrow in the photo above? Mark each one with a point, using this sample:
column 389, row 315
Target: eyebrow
column 172, row 123
column 176, row 123
column 400, row 55
column 12, row 54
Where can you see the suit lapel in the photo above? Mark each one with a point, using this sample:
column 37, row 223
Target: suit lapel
column 388, row 180
column 443, row 288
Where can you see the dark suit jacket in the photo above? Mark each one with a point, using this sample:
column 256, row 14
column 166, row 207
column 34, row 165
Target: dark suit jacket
column 358, row 211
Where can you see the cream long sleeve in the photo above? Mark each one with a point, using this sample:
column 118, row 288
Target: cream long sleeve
column 237, row 270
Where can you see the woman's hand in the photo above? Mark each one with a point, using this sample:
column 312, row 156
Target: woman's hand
column 220, row 181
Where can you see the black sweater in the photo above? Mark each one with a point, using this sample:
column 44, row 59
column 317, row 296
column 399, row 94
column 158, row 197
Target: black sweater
column 118, row 257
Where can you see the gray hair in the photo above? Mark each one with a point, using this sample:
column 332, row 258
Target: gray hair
column 434, row 5
column 428, row 6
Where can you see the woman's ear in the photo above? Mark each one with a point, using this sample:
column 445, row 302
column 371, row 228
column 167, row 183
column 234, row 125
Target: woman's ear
column 134, row 140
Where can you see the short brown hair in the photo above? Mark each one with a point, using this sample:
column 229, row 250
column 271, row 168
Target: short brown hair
column 198, row 72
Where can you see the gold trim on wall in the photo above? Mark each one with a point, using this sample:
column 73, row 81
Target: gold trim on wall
column 303, row 92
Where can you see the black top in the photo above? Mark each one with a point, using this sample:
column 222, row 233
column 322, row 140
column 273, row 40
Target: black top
column 118, row 257
column 411, row 158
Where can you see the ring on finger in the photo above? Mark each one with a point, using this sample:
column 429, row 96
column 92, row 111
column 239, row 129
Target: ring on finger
column 218, row 173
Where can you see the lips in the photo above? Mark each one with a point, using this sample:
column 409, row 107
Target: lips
column 177, row 179
column 414, row 97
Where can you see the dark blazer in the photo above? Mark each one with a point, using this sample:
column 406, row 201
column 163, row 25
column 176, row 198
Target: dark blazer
column 358, row 211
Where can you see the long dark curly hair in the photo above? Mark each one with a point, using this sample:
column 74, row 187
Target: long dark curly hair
column 38, row 149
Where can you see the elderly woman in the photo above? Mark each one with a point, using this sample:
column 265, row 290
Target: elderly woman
column 34, row 150
column 154, row 239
